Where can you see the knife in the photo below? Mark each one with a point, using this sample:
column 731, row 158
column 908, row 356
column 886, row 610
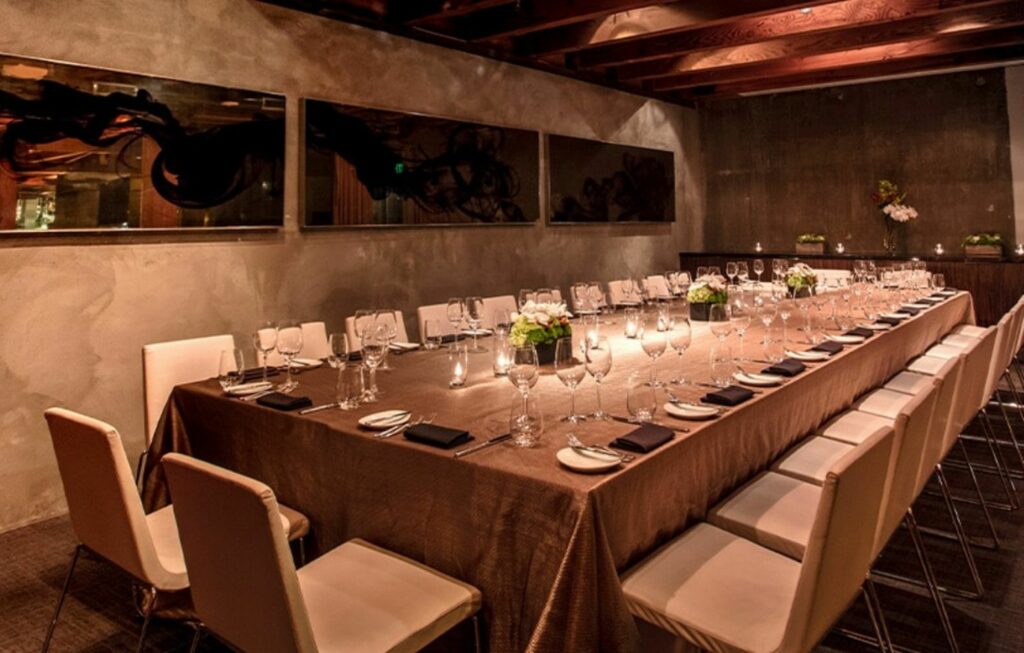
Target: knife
column 317, row 409
column 483, row 445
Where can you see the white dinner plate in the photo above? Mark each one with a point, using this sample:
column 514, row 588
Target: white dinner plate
column 243, row 389
column 846, row 340
column 404, row 346
column 691, row 411
column 808, row 355
column 751, row 378
column 629, row 303
column 946, row 293
column 384, row 420
column 876, row 326
column 896, row 316
column 921, row 306
column 306, row 363
column 587, row 462
column 477, row 332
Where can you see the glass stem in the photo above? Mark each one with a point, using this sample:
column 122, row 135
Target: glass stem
column 373, row 379
column 599, row 411
column 288, row 364
column 572, row 401
column 264, row 367
column 654, row 371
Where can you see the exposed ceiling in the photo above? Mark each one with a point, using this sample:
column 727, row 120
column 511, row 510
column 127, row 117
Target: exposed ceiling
column 694, row 50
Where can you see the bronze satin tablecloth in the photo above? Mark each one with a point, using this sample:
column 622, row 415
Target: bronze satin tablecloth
column 542, row 543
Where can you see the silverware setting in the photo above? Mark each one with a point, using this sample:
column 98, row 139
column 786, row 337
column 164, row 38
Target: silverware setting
column 257, row 395
column 577, row 445
column 401, row 428
column 317, row 409
column 626, row 420
column 381, row 420
column 483, row 445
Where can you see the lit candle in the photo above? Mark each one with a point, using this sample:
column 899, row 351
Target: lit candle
column 939, row 249
column 458, row 357
column 632, row 322
column 757, row 247
column 1019, row 249
column 501, row 362
column 840, row 248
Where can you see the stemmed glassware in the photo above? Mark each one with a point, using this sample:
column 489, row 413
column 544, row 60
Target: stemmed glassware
column 289, row 344
column 742, row 271
column 386, row 321
column 598, row 357
column 758, row 270
column 679, row 338
column 718, row 320
column 455, row 312
column 363, row 320
column 524, row 370
column 731, row 270
column 375, row 345
column 264, row 340
column 526, row 295
column 570, row 371
column 702, row 271
column 338, row 355
column 766, row 312
column 232, row 368
column 785, row 311
column 740, row 322
column 348, row 385
column 475, row 317
column 653, row 342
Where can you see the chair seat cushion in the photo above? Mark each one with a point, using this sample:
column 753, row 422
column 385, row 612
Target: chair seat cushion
column 944, row 352
column 363, row 598
column 773, row 510
column 959, row 341
column 884, row 403
column 164, row 530
column 910, row 383
column 855, row 427
column 929, row 365
column 716, row 590
column 970, row 330
column 810, row 460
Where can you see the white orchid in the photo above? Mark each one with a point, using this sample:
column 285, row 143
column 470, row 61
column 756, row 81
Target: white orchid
column 900, row 212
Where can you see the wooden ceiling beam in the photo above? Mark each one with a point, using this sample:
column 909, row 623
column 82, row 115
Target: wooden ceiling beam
column 417, row 12
column 794, row 20
column 935, row 63
column 977, row 39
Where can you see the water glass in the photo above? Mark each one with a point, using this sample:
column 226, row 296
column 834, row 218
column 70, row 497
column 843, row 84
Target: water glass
column 526, row 423
column 641, row 399
column 350, row 386
column 232, row 368
column 722, row 365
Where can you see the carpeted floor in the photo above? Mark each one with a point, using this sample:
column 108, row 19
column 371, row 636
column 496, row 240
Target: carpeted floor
column 98, row 614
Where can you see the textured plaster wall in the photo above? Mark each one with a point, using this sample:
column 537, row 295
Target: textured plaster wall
column 76, row 312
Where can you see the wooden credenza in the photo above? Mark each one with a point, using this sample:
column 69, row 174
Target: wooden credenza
column 995, row 285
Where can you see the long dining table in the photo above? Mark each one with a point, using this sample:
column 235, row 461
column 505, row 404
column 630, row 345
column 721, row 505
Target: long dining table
column 544, row 544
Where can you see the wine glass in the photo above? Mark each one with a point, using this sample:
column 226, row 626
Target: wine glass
column 938, row 281
column 545, row 295
column 731, row 270
column 385, row 320
column 231, row 370
column 362, row 320
column 524, row 369
column 680, row 338
column 718, row 320
column 702, row 271
column 264, row 339
column 598, row 356
column 641, row 399
column 740, row 322
column 338, row 356
column 375, row 345
column 653, row 342
column 570, row 371
column 766, row 312
column 785, row 311
column 455, row 312
column 742, row 271
column 758, row 269
column 289, row 344
column 526, row 295
column 475, row 317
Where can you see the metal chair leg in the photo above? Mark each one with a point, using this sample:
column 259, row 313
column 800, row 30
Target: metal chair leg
column 477, row 643
column 147, row 616
column 997, row 458
column 195, row 639
column 876, row 615
column 981, row 496
column 139, row 466
column 60, row 599
column 302, row 551
column 961, row 534
column 933, row 588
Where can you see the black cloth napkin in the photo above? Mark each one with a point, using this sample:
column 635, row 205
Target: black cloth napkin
column 437, row 436
column 788, row 367
column 863, row 332
column 830, row 347
column 449, row 338
column 909, row 309
column 644, row 439
column 281, row 401
column 893, row 321
column 929, row 300
column 730, row 396
column 355, row 356
column 257, row 374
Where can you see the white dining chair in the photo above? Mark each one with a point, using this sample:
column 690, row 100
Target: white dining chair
column 438, row 313
column 108, row 517
column 617, row 296
column 355, row 597
column 722, row 592
column 355, row 344
column 315, row 345
column 495, row 305
column 656, row 286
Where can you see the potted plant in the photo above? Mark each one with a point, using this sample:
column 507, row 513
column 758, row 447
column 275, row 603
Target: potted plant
column 705, row 291
column 983, row 246
column 813, row 244
column 541, row 324
column 890, row 201
column 801, row 280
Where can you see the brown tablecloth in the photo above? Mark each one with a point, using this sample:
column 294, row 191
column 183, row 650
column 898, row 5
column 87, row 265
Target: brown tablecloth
column 542, row 543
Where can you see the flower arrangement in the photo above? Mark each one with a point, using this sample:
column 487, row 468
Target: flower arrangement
column 891, row 202
column 800, row 277
column 709, row 289
column 992, row 239
column 810, row 239
column 540, row 323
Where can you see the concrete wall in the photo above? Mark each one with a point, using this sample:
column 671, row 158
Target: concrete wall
column 76, row 311
column 781, row 165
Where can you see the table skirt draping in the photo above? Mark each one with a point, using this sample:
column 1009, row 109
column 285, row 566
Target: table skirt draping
column 543, row 544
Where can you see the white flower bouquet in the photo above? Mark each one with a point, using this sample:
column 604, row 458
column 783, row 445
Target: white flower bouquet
column 539, row 323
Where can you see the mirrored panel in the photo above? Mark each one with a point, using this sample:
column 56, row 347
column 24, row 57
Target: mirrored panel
column 371, row 167
column 591, row 181
column 86, row 148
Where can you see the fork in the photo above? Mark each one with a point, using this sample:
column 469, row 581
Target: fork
column 577, row 445
column 395, row 430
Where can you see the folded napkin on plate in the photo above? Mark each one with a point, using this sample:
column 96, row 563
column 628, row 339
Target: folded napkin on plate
column 355, row 356
column 437, row 436
column 788, row 367
column 913, row 310
column 729, row 396
column 829, row 347
column 863, row 332
column 448, row 338
column 281, row 401
column 894, row 321
column 644, row 439
column 257, row 374
column 929, row 300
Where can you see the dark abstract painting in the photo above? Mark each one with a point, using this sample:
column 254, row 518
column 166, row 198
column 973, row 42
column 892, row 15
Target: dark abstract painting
column 86, row 148
column 376, row 167
column 593, row 181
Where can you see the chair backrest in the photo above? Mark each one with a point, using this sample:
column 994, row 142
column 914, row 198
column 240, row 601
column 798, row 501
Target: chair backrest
column 656, row 285
column 978, row 371
column 905, row 463
column 314, row 340
column 355, row 344
column 494, row 304
column 104, row 504
column 437, row 312
column 548, row 295
column 617, row 295
column 249, row 594
column 824, row 274
column 841, row 544
column 944, row 430
column 167, row 364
